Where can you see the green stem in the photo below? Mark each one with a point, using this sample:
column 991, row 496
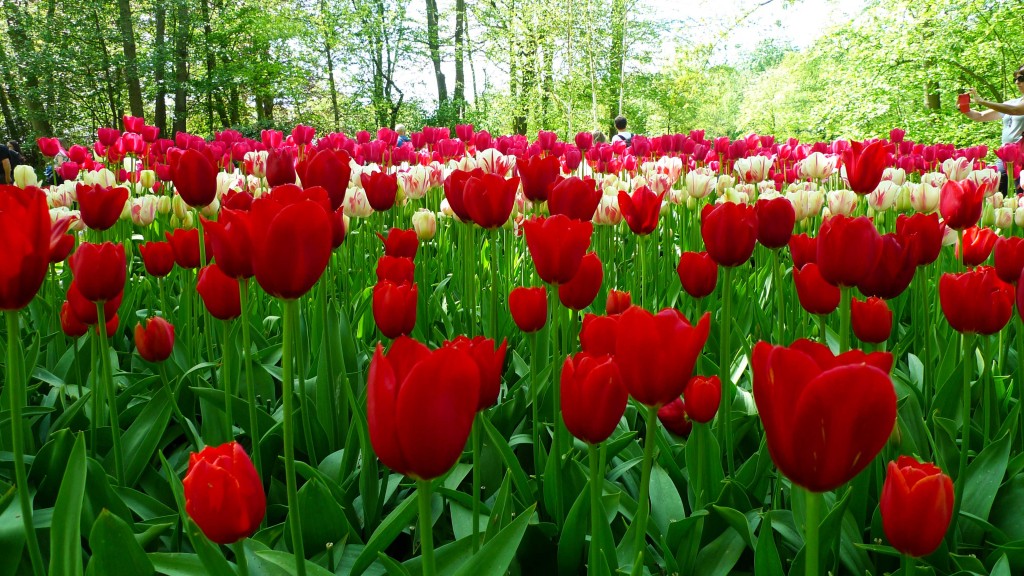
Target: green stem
column 335, row 433
column 909, row 564
column 967, row 345
column 17, row 394
column 426, row 529
column 226, row 381
column 822, row 329
column 596, row 481
column 494, row 283
column 642, row 248
column 250, row 379
column 111, row 392
column 724, row 361
column 845, row 294
column 300, row 374
column 240, row 559
column 643, row 503
column 698, row 435
column 477, row 463
column 291, row 310
column 538, row 449
column 780, row 304
column 185, row 425
column 556, row 404
column 1019, row 336
column 811, row 528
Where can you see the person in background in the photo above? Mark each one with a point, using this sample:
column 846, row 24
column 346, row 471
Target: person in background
column 1011, row 112
column 623, row 134
column 599, row 137
column 403, row 136
column 6, row 167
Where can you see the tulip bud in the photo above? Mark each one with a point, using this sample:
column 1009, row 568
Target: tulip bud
column 126, row 211
column 188, row 222
column 356, row 203
column 724, row 183
column 225, row 182
column 25, row 176
column 147, row 178
column 897, row 176
column 143, row 210
column 163, row 205
column 1018, row 217
column 1003, row 218
column 179, row 207
column 903, row 199
column 988, row 216
column 210, row 210
column 884, row 196
column 842, row 202
column 223, row 493
column 424, row 222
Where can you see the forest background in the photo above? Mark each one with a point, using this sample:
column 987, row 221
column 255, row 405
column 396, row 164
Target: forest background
column 68, row 67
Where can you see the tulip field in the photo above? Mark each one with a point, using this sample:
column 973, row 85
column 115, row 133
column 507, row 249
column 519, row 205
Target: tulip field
column 317, row 354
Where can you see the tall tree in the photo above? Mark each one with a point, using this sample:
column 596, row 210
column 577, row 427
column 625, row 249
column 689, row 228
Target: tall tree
column 160, row 67
column 434, row 45
column 459, row 96
column 24, row 54
column 182, row 31
column 131, row 67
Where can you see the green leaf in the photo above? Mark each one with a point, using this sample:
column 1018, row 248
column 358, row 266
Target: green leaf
column 1002, row 567
column 286, row 561
column 115, row 551
column 519, row 478
column 766, row 555
column 738, row 521
column 177, row 564
column 496, row 556
column 389, row 529
column 720, row 556
column 668, row 505
column 574, row 533
column 984, row 476
column 323, row 520
column 12, row 532
column 66, row 527
column 143, row 436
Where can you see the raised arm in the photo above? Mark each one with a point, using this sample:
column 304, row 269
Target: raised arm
column 1011, row 109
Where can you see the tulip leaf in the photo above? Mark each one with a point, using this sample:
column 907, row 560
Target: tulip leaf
column 323, row 520
column 392, row 565
column 448, row 558
column 66, row 526
column 1002, row 567
column 496, row 556
column 519, row 478
column 143, row 436
column 177, row 564
column 766, row 554
column 115, row 552
column 738, row 521
column 397, row 521
column 720, row 556
column 501, row 513
column 286, row 562
column 668, row 505
column 1006, row 510
column 12, row 532
column 984, row 477
column 574, row 534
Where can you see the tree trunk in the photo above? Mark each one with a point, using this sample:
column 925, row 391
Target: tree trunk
column 181, row 34
column 211, row 60
column 616, row 55
column 435, row 54
column 5, row 108
column 459, row 97
column 159, row 65
column 234, row 105
column 24, row 54
column 111, row 83
column 131, row 67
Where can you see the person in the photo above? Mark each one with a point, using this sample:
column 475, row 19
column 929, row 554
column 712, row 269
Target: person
column 6, row 168
column 403, row 137
column 599, row 137
column 1011, row 112
column 623, row 134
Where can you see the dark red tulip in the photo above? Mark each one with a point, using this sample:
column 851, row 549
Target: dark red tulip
column 922, row 233
column 892, row 272
column 916, row 506
column 826, row 360
column 816, row 295
column 219, row 292
column 291, row 244
column 804, row 249
column 489, row 360
column 848, row 249
column 70, row 324
column 48, row 147
column 598, row 334
column 824, row 423
column 400, row 243
column 185, row 244
column 580, row 292
column 108, row 136
column 574, row 197
column 1009, row 258
column 529, row 308
column 61, row 244
column 641, row 210
column 397, row 270
column 25, row 232
column 100, row 206
column 976, row 301
column 394, row 308
column 231, row 240
column 280, row 167
column 775, row 220
column 729, row 231
column 158, row 258
column 303, row 134
column 85, row 310
column 584, row 140
column 978, row 244
column 330, row 170
column 702, row 397
column 489, row 198
column 223, row 493
column 871, row 319
column 656, row 352
column 960, row 203
column 864, row 165
column 99, row 270
column 538, row 174
column 593, row 396
column 338, row 228
column 674, row 418
column 241, row 201
column 195, row 179
column 618, row 302
column 155, row 340
column 557, row 245
column 698, row 273
column 455, row 189
column 420, row 406
column 381, row 189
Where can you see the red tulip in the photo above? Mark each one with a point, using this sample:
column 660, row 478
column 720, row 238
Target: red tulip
column 916, row 506
column 25, row 237
column 158, row 258
column 400, row 243
column 489, row 199
column 100, row 206
column 804, row 249
column 729, row 231
column 85, row 310
column 641, row 210
column 826, row 360
column 893, row 271
column 455, row 189
column 848, row 249
column 775, row 220
column 978, row 243
column 219, row 292
column 593, row 396
column 922, row 233
column 618, row 302
column 824, row 421
column 702, row 397
column 698, row 273
column 574, row 197
column 223, row 493
column 656, row 352
column 960, row 203
column 99, row 270
column 864, row 165
column 291, row 244
column 381, row 189
column 557, row 245
column 61, row 244
column 70, row 324
column 108, row 136
column 155, row 341
column 394, row 308
column 420, row 406
column 599, row 333
column 397, row 270
column 674, row 418
column 1009, row 258
column 816, row 295
column 48, row 147
column 302, row 134
column 871, row 319
column 489, row 361
column 231, row 240
column 281, row 168
column 330, row 170
column 976, row 301
column 529, row 308
column 538, row 174
column 580, row 292
column 195, row 179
